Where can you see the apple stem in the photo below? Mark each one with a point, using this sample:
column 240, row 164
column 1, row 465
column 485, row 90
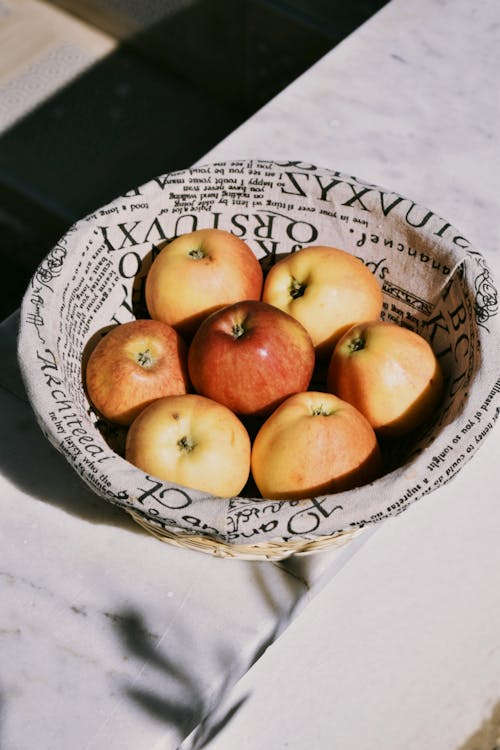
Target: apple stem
column 196, row 253
column 320, row 411
column 144, row 358
column 297, row 288
column 356, row 344
column 238, row 329
column 186, row 444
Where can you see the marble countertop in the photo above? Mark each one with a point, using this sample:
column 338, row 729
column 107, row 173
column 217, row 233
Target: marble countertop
column 112, row 639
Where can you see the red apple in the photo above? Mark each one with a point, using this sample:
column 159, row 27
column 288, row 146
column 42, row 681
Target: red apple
column 326, row 289
column 389, row 373
column 314, row 443
column 133, row 364
column 198, row 273
column 250, row 356
column 192, row 441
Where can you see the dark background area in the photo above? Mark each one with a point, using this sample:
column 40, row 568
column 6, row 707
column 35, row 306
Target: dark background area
column 185, row 74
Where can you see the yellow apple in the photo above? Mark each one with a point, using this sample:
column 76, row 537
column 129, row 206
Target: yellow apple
column 325, row 289
column 197, row 273
column 314, row 443
column 192, row 441
column 389, row 373
column 133, row 364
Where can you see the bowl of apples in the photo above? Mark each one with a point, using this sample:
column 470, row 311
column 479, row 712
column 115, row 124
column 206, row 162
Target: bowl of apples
column 258, row 359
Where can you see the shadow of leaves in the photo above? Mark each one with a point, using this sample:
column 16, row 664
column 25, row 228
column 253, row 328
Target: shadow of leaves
column 208, row 730
column 181, row 703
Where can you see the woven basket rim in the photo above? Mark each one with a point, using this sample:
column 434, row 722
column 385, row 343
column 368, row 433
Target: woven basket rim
column 263, row 551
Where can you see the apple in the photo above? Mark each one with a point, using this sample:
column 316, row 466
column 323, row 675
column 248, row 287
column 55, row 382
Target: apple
column 389, row 373
column 326, row 289
column 314, row 443
column 192, row 441
column 250, row 356
column 133, row 364
column 198, row 273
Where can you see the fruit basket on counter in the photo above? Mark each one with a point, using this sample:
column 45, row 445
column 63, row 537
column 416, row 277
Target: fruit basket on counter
column 431, row 280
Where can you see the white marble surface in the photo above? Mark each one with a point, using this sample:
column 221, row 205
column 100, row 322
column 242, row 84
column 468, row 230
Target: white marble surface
column 110, row 639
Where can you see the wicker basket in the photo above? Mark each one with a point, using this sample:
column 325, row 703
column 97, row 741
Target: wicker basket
column 264, row 551
column 432, row 281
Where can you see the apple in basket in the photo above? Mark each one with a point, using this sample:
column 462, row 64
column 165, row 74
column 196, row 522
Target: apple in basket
column 250, row 356
column 192, row 441
column 326, row 289
column 133, row 364
column 389, row 373
column 199, row 272
column 314, row 443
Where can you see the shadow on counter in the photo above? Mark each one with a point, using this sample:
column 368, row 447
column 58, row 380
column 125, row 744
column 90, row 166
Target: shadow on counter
column 180, row 702
column 198, row 711
column 180, row 80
